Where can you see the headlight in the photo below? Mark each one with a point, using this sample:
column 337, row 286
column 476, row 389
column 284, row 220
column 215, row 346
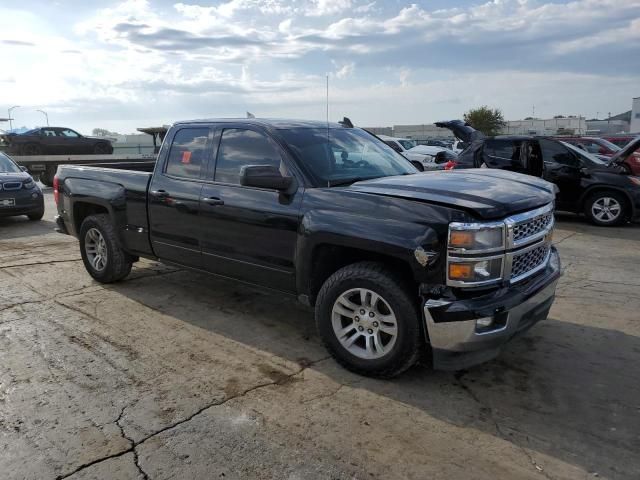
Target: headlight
column 470, row 237
column 29, row 184
column 472, row 271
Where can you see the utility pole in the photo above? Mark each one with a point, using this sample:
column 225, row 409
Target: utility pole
column 45, row 115
column 10, row 119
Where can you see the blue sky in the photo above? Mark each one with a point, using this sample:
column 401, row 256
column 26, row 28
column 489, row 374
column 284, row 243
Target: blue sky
column 126, row 64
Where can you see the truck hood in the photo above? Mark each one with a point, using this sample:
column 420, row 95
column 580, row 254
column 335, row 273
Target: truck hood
column 488, row 194
column 461, row 130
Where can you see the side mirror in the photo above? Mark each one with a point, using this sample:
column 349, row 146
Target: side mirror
column 264, row 176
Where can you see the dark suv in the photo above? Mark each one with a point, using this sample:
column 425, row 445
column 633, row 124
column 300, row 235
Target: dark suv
column 602, row 190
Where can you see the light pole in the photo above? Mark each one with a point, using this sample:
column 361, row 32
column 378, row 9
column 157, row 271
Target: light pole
column 10, row 119
column 45, row 114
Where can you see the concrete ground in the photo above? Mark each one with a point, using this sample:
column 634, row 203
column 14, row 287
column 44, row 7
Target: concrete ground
column 171, row 374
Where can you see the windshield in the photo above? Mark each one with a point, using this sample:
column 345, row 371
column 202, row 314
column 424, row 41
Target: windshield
column 588, row 157
column 339, row 155
column 611, row 146
column 407, row 144
column 7, row 166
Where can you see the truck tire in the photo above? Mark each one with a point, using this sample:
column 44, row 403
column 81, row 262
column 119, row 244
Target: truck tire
column 103, row 258
column 46, row 177
column 383, row 341
column 606, row 208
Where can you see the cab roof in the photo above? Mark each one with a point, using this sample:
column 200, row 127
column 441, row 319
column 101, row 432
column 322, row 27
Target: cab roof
column 275, row 123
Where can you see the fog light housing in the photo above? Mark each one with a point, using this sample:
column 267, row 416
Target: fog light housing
column 483, row 323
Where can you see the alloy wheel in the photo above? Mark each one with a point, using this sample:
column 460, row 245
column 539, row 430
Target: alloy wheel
column 96, row 249
column 364, row 323
column 606, row 209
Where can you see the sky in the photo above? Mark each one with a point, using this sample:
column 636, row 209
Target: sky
column 134, row 63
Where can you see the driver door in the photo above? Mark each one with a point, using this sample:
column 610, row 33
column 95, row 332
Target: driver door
column 248, row 233
column 562, row 167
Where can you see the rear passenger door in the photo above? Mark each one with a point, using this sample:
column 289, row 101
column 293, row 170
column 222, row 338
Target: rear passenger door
column 503, row 154
column 249, row 233
column 174, row 196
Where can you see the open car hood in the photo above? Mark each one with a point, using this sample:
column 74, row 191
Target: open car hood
column 461, row 130
column 487, row 193
column 620, row 156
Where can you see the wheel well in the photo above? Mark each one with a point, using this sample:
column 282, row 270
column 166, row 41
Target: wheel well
column 622, row 193
column 82, row 210
column 327, row 259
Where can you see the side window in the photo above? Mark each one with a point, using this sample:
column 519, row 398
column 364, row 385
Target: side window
column 503, row 149
column 69, row 133
column 48, row 132
column 555, row 152
column 188, row 153
column 240, row 147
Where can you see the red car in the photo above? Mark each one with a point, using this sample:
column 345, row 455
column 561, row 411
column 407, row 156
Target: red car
column 604, row 148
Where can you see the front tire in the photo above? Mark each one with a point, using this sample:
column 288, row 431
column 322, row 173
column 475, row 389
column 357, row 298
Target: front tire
column 103, row 258
column 101, row 149
column 383, row 341
column 37, row 216
column 606, row 208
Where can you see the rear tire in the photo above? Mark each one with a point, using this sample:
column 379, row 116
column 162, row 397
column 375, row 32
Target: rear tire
column 103, row 258
column 606, row 208
column 46, row 177
column 385, row 340
column 32, row 149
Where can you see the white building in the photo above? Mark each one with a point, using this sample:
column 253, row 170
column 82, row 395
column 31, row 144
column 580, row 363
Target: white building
column 550, row 126
column 635, row 116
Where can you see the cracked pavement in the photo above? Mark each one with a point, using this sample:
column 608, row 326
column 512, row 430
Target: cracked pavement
column 173, row 374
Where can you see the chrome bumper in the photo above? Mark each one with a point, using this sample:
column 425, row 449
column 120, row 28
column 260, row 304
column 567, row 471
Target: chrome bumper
column 455, row 328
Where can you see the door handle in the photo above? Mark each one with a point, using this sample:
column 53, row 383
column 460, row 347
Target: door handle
column 213, row 201
column 159, row 193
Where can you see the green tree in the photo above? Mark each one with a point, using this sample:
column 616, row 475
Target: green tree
column 488, row 121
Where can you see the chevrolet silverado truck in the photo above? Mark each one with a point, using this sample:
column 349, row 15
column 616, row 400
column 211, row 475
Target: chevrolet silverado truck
column 397, row 264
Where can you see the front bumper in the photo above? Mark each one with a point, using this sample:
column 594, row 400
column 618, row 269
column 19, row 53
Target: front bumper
column 24, row 202
column 458, row 342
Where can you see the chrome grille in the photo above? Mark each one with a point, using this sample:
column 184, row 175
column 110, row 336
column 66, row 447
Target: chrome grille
column 525, row 262
column 532, row 227
column 11, row 186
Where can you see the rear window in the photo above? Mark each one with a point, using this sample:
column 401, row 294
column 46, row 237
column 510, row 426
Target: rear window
column 188, row 153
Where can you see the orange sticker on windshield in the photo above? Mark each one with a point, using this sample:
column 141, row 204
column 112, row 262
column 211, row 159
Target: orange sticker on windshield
column 186, row 157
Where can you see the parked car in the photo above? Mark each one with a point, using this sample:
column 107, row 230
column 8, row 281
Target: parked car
column 19, row 194
column 402, row 146
column 632, row 164
column 431, row 157
column 393, row 261
column 55, row 141
column 602, row 190
column 593, row 145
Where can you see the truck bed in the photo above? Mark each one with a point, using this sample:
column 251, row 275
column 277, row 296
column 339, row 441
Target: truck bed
column 123, row 193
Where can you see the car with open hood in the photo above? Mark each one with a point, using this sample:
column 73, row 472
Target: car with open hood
column 602, row 190
column 19, row 194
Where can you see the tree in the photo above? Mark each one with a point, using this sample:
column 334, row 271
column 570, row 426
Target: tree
column 488, row 121
column 102, row 132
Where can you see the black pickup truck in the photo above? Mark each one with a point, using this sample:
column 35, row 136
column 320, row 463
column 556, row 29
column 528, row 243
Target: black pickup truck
column 394, row 261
